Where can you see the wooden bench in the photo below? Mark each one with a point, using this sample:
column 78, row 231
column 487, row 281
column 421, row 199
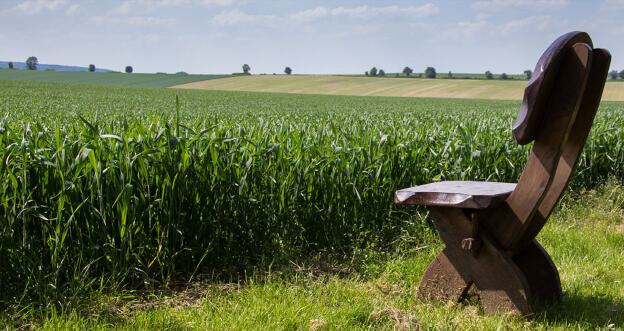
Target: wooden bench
column 489, row 229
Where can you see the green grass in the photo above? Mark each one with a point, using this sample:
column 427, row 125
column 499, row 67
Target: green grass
column 106, row 188
column 105, row 78
column 377, row 291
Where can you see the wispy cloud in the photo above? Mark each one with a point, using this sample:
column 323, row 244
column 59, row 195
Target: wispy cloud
column 237, row 17
column 71, row 10
column 30, row 7
column 464, row 31
column 132, row 21
column 497, row 5
column 131, row 6
column 365, row 12
column 535, row 23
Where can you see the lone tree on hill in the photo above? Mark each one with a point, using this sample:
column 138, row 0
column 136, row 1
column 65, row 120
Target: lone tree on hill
column 430, row 72
column 128, row 69
column 621, row 72
column 504, row 76
column 91, row 67
column 246, row 68
column 373, row 71
column 614, row 74
column 31, row 63
column 382, row 73
column 407, row 71
column 288, row 70
column 10, row 65
column 528, row 73
column 488, row 75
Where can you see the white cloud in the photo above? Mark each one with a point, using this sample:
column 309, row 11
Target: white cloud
column 71, row 10
column 37, row 6
column 311, row 14
column 365, row 12
column 237, row 17
column 133, row 21
column 497, row 5
column 536, row 23
column 465, row 31
column 130, row 6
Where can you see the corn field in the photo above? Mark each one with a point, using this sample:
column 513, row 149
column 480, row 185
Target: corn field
column 106, row 185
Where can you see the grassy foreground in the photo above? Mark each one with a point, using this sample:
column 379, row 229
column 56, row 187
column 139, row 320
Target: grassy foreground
column 376, row 86
column 374, row 290
column 105, row 78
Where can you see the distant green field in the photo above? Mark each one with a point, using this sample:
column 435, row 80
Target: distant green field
column 105, row 78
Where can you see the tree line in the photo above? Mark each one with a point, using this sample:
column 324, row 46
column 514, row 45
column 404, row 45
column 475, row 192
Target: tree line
column 32, row 62
column 430, row 72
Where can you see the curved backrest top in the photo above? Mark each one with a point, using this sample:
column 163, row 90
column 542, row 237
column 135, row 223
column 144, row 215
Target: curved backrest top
column 539, row 88
column 558, row 109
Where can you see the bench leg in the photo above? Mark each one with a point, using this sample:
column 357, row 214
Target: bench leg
column 502, row 285
column 540, row 272
column 442, row 281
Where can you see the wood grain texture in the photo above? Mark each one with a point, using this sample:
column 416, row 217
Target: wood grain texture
column 460, row 194
column 502, row 285
column 539, row 172
column 539, row 88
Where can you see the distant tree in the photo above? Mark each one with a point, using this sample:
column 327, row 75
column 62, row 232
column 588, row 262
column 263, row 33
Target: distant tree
column 128, row 69
column 528, row 73
column 621, row 72
column 488, row 75
column 91, row 67
column 430, row 72
column 31, row 63
column 504, row 76
column 246, row 68
column 396, row 75
column 288, row 70
column 407, row 71
column 10, row 65
column 382, row 73
column 181, row 73
column 419, row 75
column 450, row 75
column 365, row 73
column 614, row 74
column 373, row 72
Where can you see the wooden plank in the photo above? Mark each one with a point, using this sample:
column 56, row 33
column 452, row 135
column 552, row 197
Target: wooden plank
column 553, row 132
column 538, row 90
column 460, row 194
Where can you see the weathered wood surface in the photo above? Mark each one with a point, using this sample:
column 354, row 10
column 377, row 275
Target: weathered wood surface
column 460, row 194
column 539, row 88
column 539, row 172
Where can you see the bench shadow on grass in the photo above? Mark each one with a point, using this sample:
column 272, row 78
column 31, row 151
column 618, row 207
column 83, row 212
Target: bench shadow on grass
column 593, row 311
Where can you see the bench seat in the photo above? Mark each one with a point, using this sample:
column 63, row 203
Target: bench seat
column 459, row 194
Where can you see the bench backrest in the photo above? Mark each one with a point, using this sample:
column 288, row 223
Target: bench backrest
column 558, row 110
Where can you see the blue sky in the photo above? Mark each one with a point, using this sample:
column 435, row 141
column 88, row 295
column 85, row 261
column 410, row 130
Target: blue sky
column 218, row 36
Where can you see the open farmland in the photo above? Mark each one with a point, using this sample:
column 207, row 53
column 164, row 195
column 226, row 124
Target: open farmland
column 103, row 186
column 377, row 86
column 105, row 78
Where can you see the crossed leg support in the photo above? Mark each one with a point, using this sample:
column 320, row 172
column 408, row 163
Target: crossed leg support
column 505, row 283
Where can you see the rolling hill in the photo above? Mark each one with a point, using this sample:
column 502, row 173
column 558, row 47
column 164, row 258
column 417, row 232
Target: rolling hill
column 400, row 87
column 105, row 78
